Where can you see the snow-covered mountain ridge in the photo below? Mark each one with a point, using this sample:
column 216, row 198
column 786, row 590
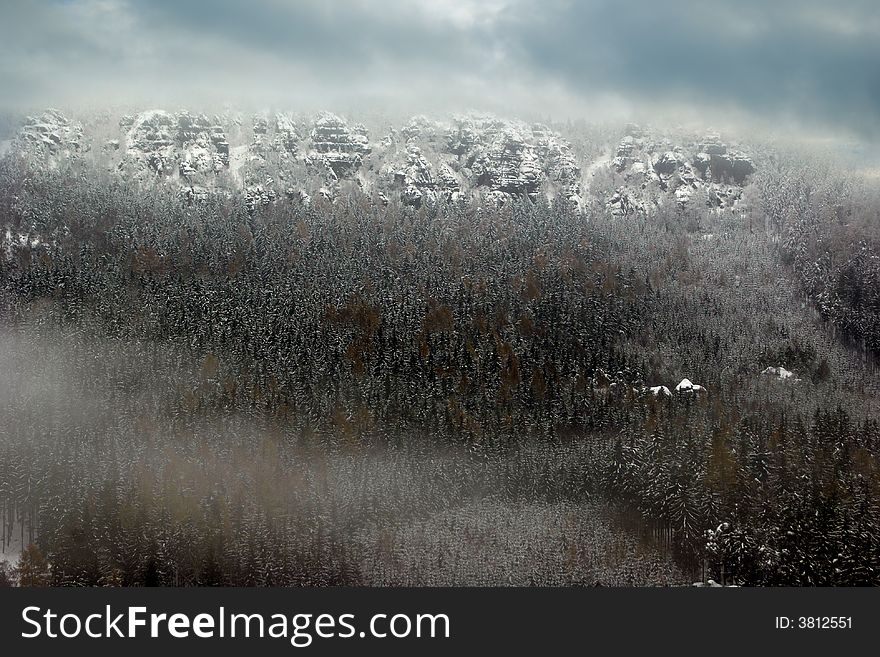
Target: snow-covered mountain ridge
column 421, row 162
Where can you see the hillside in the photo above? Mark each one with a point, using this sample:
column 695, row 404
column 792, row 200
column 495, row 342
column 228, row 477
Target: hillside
column 303, row 350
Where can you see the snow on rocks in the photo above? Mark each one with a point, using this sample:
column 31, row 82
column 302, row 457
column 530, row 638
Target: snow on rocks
column 704, row 170
column 416, row 177
column 686, row 386
column 660, row 391
column 480, row 154
column 178, row 144
column 260, row 194
column 722, row 196
column 720, row 163
column 286, row 134
column 780, row 373
column 50, row 135
column 299, row 195
column 668, row 163
column 625, row 155
column 560, row 164
column 337, row 147
column 420, row 182
column 150, row 141
column 623, row 203
column 279, row 136
column 427, row 160
column 683, row 194
column 512, row 158
column 507, row 164
column 421, row 129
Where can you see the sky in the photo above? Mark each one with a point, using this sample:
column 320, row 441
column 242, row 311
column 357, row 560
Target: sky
column 802, row 64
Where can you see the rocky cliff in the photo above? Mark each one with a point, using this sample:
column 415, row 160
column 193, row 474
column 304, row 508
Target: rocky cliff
column 420, row 162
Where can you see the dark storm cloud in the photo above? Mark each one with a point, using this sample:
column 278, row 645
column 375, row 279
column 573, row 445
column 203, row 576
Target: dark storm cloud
column 787, row 58
column 264, row 50
column 341, row 38
column 801, row 61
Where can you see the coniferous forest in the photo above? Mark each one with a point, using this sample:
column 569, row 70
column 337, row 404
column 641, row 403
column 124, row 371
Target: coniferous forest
column 347, row 392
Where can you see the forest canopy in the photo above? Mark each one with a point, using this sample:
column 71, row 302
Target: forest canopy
column 353, row 393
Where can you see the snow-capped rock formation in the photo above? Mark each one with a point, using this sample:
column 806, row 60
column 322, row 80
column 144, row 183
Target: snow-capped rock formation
column 150, row 141
column 623, row 202
column 560, row 164
column 280, row 135
column 660, row 391
column 422, row 129
column 509, row 165
column 420, row 182
column 175, row 144
column 260, row 194
column 780, row 373
column 719, row 163
column 421, row 162
column 50, row 136
column 478, row 154
column 337, row 147
column 287, row 135
column 513, row 158
column 686, row 386
column 496, row 154
column 203, row 144
column 704, row 170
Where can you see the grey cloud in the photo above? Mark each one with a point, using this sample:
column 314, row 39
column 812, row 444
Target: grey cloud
column 808, row 59
column 790, row 60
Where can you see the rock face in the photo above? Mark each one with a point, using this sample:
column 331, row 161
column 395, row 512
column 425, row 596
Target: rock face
column 479, row 154
column 703, row 170
column 150, row 141
column 421, row 162
column 287, row 135
column 337, row 147
column 260, row 194
column 280, row 135
column 623, row 203
column 561, row 166
column 421, row 184
column 512, row 158
column 507, row 164
column 203, row 144
column 176, row 144
column 52, row 136
column 718, row 163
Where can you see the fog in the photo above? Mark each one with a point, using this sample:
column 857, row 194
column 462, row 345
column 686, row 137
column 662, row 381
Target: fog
column 110, row 420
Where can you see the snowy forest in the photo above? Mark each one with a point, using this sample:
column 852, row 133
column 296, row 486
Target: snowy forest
column 213, row 391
